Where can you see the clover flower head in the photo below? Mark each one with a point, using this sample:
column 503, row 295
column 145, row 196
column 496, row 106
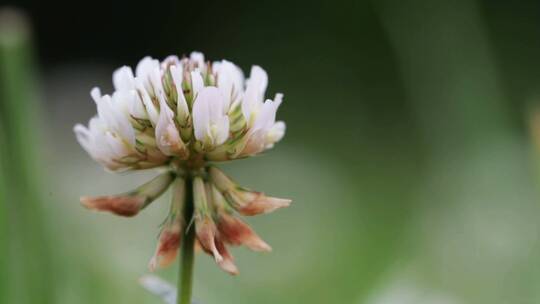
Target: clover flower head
column 180, row 110
column 185, row 115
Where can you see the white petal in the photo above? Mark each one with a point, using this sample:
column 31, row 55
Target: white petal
column 198, row 57
column 197, row 82
column 136, row 106
column 275, row 134
column 94, row 141
column 230, row 80
column 116, row 145
column 144, row 69
column 170, row 60
column 123, row 79
column 201, row 116
column 278, row 99
column 222, row 127
column 155, row 83
column 118, row 120
column 259, row 77
column 267, row 116
column 153, row 114
column 209, row 122
column 254, row 95
column 96, row 94
column 84, row 137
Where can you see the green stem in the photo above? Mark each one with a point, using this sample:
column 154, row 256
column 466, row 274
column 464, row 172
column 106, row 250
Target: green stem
column 185, row 277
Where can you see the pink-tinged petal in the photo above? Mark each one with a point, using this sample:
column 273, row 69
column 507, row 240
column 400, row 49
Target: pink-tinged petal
column 235, row 232
column 123, row 205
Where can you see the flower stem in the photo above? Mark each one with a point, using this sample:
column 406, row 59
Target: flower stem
column 185, row 274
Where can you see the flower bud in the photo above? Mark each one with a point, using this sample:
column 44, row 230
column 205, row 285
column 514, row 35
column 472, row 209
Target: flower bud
column 129, row 204
column 244, row 201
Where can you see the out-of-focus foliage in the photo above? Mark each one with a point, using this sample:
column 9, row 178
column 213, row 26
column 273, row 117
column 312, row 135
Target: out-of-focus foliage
column 407, row 154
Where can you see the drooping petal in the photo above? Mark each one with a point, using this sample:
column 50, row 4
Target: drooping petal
column 167, row 248
column 171, row 233
column 235, row 232
column 206, row 234
column 205, row 228
column 245, row 201
column 129, row 204
column 123, row 205
column 252, row 203
column 227, row 261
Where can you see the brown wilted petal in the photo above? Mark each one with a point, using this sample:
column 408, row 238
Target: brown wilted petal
column 206, row 234
column 123, row 205
column 254, row 203
column 167, row 248
column 227, row 262
column 235, row 232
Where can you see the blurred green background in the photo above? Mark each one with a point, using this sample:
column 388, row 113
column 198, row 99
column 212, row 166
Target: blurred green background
column 407, row 155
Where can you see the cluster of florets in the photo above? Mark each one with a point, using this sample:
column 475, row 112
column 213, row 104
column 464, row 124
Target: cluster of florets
column 182, row 114
column 181, row 110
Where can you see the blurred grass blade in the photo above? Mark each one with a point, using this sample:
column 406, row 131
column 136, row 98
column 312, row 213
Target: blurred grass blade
column 29, row 278
column 448, row 69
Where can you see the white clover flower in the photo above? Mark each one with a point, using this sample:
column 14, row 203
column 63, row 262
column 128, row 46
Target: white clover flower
column 184, row 115
column 179, row 110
